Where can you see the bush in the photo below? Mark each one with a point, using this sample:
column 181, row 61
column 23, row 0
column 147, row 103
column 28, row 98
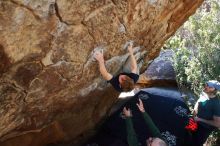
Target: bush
column 196, row 47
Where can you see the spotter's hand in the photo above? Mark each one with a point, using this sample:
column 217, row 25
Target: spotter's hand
column 127, row 112
column 140, row 106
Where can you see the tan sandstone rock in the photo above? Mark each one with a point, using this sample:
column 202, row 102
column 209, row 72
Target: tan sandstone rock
column 50, row 87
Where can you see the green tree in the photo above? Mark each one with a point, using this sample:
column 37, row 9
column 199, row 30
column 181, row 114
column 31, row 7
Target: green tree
column 197, row 47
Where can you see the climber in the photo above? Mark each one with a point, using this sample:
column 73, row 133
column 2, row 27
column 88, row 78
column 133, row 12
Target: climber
column 156, row 140
column 207, row 113
column 123, row 81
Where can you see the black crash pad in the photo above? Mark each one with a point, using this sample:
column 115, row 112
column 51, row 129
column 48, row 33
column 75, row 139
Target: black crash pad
column 169, row 113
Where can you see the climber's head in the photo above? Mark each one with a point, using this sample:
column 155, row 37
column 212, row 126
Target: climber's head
column 126, row 83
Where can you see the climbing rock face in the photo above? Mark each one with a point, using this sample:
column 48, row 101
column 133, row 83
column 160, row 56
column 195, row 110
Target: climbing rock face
column 50, row 87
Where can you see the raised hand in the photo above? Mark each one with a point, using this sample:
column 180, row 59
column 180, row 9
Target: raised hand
column 130, row 48
column 140, row 105
column 127, row 112
column 99, row 56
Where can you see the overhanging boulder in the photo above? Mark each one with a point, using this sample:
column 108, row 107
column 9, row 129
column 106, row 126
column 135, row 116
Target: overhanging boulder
column 50, row 86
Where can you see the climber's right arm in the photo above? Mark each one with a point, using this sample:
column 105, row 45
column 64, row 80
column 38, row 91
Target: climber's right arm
column 134, row 68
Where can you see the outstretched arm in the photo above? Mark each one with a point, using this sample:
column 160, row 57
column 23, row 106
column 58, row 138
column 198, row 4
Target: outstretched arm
column 215, row 122
column 99, row 57
column 131, row 137
column 133, row 60
column 150, row 124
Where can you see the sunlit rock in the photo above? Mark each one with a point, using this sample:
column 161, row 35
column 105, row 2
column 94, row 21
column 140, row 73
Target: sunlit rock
column 50, row 86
